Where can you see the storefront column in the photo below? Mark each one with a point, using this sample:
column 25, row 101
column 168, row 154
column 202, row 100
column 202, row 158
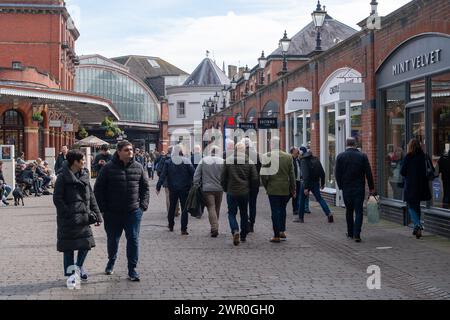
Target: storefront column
column 31, row 145
column 287, row 133
column 295, row 131
column 47, row 138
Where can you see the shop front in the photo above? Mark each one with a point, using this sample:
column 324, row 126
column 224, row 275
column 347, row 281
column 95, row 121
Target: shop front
column 298, row 118
column 413, row 89
column 341, row 99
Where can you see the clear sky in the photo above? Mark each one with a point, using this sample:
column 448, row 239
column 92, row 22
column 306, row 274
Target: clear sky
column 180, row 31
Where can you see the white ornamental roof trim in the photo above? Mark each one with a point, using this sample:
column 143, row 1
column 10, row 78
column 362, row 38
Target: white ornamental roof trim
column 57, row 97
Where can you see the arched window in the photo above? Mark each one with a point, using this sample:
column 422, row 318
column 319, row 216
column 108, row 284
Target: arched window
column 252, row 115
column 12, row 130
column 270, row 110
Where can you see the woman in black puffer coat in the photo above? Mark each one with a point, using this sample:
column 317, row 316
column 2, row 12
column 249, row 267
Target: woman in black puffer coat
column 76, row 210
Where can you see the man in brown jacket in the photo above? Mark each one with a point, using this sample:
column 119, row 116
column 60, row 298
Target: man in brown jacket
column 238, row 177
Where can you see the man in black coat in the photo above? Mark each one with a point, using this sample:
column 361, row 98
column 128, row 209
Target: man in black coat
column 60, row 160
column 123, row 195
column 178, row 173
column 352, row 169
column 102, row 158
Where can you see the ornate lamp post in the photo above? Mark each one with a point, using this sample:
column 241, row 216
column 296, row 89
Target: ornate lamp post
column 224, row 97
column 246, row 78
column 262, row 64
column 216, row 101
column 285, row 43
column 318, row 17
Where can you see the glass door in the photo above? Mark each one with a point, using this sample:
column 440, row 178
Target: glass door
column 341, row 142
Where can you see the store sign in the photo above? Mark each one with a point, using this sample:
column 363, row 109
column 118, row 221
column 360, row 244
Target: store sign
column 298, row 100
column 67, row 127
column 268, row 123
column 54, row 123
column 247, row 126
column 420, row 61
column 352, row 91
column 421, row 56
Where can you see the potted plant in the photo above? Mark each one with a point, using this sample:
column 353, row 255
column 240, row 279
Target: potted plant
column 37, row 116
column 83, row 133
column 111, row 129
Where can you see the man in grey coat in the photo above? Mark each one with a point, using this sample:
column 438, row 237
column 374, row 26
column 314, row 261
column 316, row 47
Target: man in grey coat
column 208, row 174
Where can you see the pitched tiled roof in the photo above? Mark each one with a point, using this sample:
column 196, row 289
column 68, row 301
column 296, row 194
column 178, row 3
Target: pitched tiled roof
column 207, row 74
column 149, row 67
column 304, row 42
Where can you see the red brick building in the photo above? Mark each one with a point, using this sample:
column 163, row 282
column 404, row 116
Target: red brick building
column 37, row 71
column 382, row 86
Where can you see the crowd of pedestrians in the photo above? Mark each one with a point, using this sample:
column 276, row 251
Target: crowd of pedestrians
column 121, row 192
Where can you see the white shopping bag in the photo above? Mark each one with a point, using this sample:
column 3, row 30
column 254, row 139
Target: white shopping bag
column 74, row 281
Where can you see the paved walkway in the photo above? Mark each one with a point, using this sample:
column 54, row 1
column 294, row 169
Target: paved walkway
column 317, row 262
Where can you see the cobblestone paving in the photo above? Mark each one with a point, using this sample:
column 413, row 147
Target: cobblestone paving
column 317, row 262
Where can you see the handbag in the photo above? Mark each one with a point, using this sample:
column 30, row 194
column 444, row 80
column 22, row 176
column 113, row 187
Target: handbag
column 429, row 169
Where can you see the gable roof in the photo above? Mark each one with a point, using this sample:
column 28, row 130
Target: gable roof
column 207, row 73
column 145, row 67
column 304, row 42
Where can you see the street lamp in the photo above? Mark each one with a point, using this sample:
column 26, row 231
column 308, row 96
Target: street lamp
column 224, row 96
column 318, row 17
column 285, row 43
column 205, row 108
column 246, row 78
column 262, row 64
column 210, row 104
column 216, row 101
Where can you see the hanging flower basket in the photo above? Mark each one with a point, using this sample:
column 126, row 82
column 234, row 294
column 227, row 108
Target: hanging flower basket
column 83, row 133
column 37, row 116
column 109, row 133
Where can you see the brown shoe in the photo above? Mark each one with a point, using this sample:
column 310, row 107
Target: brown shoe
column 214, row 234
column 275, row 240
column 236, row 238
column 283, row 236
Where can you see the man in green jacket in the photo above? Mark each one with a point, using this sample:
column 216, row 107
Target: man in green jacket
column 278, row 178
column 239, row 176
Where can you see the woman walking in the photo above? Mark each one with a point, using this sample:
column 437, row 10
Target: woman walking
column 76, row 210
column 417, row 186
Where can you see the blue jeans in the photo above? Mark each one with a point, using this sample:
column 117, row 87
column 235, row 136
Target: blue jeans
column 182, row 196
column 253, row 198
column 278, row 206
column 415, row 213
column 115, row 224
column 235, row 203
column 296, row 201
column 316, row 192
column 69, row 260
column 354, row 202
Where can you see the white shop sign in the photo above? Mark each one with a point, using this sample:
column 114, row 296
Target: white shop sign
column 54, row 123
column 298, row 100
column 343, row 85
column 68, row 127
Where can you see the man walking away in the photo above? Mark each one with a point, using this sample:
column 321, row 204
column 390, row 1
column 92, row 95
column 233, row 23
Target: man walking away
column 279, row 186
column 179, row 173
column 122, row 193
column 238, row 177
column 60, row 160
column 352, row 169
column 313, row 181
column 253, row 155
column 208, row 174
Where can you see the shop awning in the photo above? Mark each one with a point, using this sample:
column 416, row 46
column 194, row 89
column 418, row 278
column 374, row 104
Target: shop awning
column 84, row 108
column 91, row 141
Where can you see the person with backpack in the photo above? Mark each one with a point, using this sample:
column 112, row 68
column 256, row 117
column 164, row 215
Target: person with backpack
column 313, row 181
column 417, row 182
column 352, row 169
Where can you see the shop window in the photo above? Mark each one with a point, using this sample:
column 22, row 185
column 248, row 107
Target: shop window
column 417, row 90
column 356, row 123
column 441, row 139
column 330, row 145
column 395, row 141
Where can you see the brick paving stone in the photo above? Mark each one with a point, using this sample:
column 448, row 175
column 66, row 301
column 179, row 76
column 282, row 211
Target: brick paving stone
column 317, row 262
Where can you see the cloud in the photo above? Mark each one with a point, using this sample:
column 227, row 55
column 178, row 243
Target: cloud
column 237, row 36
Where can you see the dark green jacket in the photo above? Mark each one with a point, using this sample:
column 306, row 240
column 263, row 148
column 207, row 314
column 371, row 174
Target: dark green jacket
column 282, row 181
column 239, row 176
